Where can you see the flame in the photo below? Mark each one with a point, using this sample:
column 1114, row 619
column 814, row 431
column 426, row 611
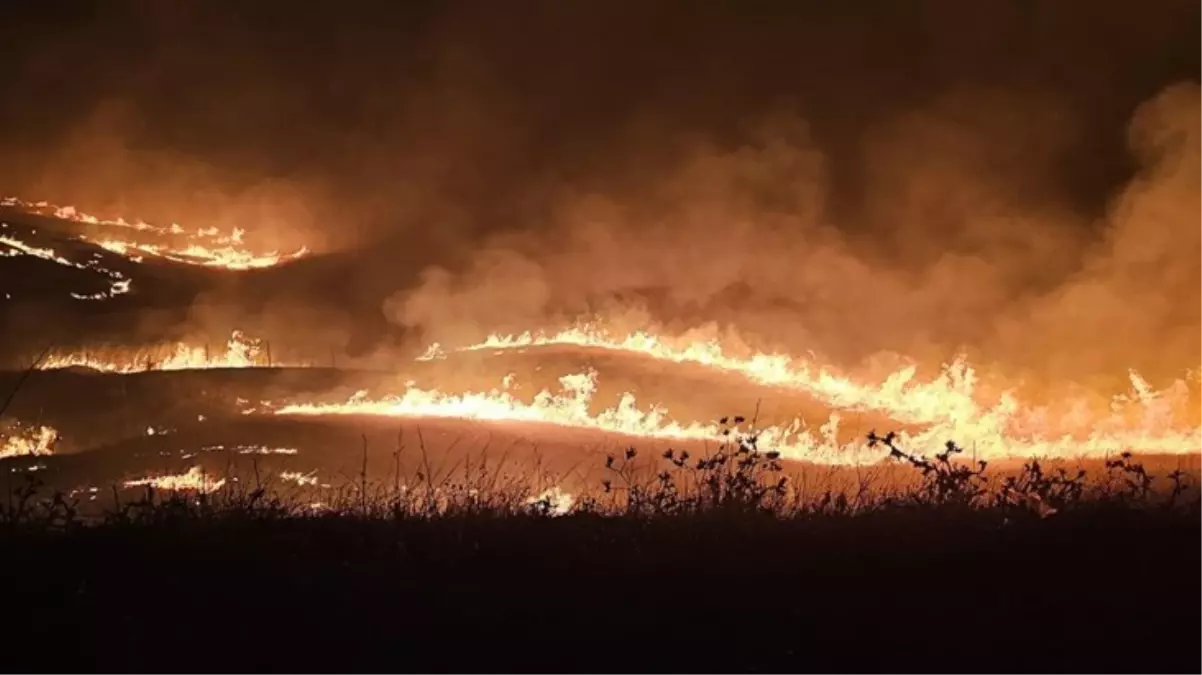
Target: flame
column 240, row 352
column 948, row 405
column 301, row 479
column 557, row 501
column 264, row 450
column 194, row 480
column 206, row 247
column 37, row 441
column 571, row 409
column 118, row 283
column 1142, row 421
column 950, row 396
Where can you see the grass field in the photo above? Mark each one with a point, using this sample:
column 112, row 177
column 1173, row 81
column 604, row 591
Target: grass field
column 732, row 572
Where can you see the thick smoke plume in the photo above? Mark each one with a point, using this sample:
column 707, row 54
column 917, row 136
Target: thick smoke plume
column 1015, row 180
column 967, row 246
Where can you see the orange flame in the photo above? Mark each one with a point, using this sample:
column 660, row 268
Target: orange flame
column 300, row 478
column 950, row 396
column 240, row 352
column 206, row 247
column 36, row 441
column 945, row 408
column 556, row 501
column 118, row 283
column 195, row 480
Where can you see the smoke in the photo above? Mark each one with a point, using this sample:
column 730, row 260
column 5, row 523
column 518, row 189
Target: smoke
column 1135, row 300
column 964, row 242
column 743, row 232
column 1012, row 179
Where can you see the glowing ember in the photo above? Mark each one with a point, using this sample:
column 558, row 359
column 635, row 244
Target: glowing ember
column 206, row 247
column 36, row 441
column 195, row 480
column 240, row 352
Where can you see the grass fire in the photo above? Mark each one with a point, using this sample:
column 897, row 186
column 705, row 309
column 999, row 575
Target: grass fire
column 448, row 338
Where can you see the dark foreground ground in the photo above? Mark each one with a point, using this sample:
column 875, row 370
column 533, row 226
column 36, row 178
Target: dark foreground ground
column 895, row 591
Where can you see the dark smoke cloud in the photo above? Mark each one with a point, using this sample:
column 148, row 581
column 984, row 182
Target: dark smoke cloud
column 1018, row 179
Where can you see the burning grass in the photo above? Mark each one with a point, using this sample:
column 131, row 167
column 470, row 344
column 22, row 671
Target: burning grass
column 20, row 441
column 118, row 283
column 240, row 351
column 953, row 404
column 137, row 239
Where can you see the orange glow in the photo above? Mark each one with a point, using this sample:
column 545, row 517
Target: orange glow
column 240, row 352
column 556, row 501
column 899, row 396
column 570, row 409
column 36, row 441
column 195, row 480
column 947, row 408
column 300, row 478
column 207, row 247
column 118, row 283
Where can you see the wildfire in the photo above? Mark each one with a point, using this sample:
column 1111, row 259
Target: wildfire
column 240, row 352
column 571, row 408
column 207, row 247
column 195, row 480
column 556, row 501
column 948, row 397
column 301, row 479
column 36, row 441
column 118, row 283
column 263, row 450
column 1143, row 421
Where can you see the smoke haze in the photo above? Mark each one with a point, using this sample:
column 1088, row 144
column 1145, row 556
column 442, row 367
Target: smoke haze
column 1015, row 179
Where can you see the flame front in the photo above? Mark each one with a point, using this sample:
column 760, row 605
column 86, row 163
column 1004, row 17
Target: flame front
column 948, row 397
column 194, row 480
column 948, row 407
column 240, row 352
column 568, row 409
column 118, row 283
column 207, row 247
column 945, row 408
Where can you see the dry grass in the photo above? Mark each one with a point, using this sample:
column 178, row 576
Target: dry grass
column 719, row 562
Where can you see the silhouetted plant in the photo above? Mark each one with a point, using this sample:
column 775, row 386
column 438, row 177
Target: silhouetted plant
column 1044, row 493
column 737, row 477
column 944, row 481
column 1130, row 478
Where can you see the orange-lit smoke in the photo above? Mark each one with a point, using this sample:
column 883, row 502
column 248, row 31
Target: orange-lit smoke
column 972, row 252
column 814, row 183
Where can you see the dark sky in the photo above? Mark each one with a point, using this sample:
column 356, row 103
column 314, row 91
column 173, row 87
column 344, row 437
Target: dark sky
column 984, row 144
column 336, row 91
